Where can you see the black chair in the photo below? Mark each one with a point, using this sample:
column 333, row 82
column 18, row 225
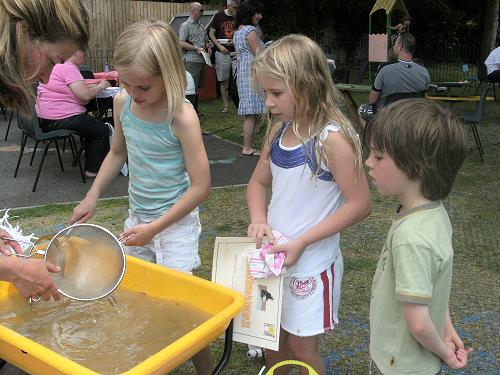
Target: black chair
column 10, row 121
column 86, row 71
column 30, row 127
column 474, row 118
column 403, row 95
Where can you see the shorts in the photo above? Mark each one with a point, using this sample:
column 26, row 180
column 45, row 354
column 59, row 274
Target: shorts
column 175, row 247
column 197, row 71
column 222, row 66
column 311, row 303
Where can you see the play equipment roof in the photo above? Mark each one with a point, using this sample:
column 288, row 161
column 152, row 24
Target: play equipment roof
column 389, row 6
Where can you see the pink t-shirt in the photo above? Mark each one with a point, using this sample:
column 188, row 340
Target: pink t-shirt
column 55, row 100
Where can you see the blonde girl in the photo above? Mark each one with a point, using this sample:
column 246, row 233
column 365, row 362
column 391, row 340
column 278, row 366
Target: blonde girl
column 159, row 132
column 312, row 160
column 34, row 36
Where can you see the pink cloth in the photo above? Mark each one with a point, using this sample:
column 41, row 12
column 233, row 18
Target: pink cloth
column 264, row 265
column 55, row 100
column 111, row 76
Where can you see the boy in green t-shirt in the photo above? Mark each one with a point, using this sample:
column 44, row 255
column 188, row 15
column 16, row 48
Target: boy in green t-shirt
column 416, row 150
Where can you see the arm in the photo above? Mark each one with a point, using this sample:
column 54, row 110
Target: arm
column 254, row 42
column 419, row 323
column 257, row 200
column 30, row 276
column 186, row 127
column 219, row 46
column 86, row 93
column 451, row 337
column 110, row 167
column 356, row 207
column 373, row 96
column 190, row 47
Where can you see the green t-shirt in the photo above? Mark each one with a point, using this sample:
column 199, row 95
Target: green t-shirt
column 415, row 266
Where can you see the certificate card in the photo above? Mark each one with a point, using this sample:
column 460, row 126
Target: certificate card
column 259, row 322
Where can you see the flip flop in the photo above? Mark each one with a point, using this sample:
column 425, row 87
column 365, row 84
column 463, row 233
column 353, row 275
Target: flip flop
column 224, row 110
column 253, row 153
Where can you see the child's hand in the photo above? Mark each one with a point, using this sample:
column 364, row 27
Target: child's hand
column 258, row 231
column 138, row 235
column 293, row 249
column 83, row 211
column 457, row 359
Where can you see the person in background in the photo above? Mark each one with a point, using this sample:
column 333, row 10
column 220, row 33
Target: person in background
column 61, row 104
column 222, row 29
column 402, row 27
column 492, row 63
column 193, row 39
column 35, row 35
column 312, row 161
column 158, row 131
column 247, row 43
column 403, row 76
column 416, row 150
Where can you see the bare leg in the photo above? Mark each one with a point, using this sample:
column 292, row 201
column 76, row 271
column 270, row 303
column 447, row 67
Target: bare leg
column 224, row 93
column 203, row 362
column 273, row 357
column 248, row 125
column 305, row 349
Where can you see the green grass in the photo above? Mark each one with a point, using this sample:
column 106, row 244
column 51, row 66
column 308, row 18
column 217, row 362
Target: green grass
column 474, row 211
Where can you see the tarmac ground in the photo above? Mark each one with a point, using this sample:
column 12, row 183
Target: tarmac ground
column 227, row 167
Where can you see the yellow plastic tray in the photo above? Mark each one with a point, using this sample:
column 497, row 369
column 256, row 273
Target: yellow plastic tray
column 222, row 303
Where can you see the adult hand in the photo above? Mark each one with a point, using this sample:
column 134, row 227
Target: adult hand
column 138, row 235
column 32, row 278
column 105, row 84
column 223, row 50
column 293, row 249
column 84, row 211
column 6, row 246
column 258, row 231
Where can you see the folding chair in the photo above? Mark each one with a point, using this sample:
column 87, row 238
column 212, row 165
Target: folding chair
column 30, row 127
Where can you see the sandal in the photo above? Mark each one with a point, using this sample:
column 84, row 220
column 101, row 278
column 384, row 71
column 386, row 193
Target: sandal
column 254, row 152
column 224, row 110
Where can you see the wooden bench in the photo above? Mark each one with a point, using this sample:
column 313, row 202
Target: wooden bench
column 456, row 99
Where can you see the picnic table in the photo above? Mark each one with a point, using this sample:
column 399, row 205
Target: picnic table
column 346, row 89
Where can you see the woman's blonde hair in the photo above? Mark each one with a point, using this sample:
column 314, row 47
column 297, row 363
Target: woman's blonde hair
column 300, row 63
column 48, row 21
column 154, row 48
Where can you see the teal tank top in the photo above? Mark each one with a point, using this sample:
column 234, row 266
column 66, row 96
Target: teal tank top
column 157, row 169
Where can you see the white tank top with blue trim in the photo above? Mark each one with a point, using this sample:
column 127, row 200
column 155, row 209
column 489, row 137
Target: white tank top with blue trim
column 300, row 201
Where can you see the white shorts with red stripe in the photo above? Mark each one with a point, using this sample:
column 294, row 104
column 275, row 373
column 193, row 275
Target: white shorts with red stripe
column 311, row 303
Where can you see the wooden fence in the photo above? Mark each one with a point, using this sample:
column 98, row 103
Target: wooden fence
column 108, row 18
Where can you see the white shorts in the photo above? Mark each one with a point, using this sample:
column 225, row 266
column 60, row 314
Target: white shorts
column 222, row 66
column 175, row 247
column 311, row 303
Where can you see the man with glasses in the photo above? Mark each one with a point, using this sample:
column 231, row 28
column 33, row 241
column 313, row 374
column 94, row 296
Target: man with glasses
column 221, row 34
column 402, row 76
column 193, row 40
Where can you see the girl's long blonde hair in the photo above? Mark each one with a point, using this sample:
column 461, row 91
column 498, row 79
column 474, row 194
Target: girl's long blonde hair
column 153, row 47
column 44, row 21
column 300, row 63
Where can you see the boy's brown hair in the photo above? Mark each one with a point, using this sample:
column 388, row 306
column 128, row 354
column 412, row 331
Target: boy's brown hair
column 425, row 140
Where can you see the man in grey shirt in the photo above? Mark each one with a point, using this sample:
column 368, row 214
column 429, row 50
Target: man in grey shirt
column 193, row 39
column 402, row 76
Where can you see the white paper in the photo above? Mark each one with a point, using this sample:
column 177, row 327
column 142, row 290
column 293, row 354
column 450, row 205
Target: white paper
column 206, row 56
column 259, row 322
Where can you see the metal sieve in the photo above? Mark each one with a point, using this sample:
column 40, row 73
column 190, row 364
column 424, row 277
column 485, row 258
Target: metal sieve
column 91, row 258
